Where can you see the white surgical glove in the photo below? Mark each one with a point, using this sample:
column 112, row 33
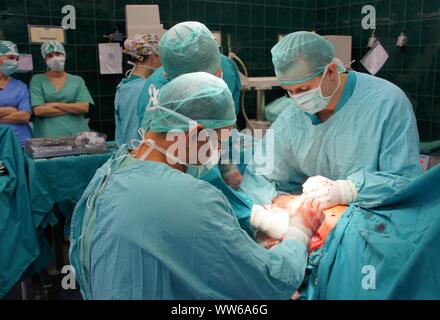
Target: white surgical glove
column 297, row 230
column 270, row 220
column 330, row 193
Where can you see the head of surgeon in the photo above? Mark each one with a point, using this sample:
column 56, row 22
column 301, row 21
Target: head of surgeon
column 189, row 47
column 305, row 66
column 194, row 116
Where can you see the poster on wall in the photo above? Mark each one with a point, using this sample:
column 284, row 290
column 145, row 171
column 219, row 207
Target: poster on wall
column 375, row 59
column 41, row 34
column 25, row 63
column 110, row 58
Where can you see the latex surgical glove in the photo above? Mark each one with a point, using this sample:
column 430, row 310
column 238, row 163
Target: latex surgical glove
column 271, row 221
column 305, row 218
column 330, row 193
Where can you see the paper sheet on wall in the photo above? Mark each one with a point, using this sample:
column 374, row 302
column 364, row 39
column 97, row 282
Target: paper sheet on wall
column 25, row 63
column 375, row 59
column 110, row 58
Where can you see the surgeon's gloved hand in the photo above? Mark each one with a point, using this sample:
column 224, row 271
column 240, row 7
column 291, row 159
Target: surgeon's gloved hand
column 306, row 216
column 330, row 193
column 272, row 221
column 231, row 175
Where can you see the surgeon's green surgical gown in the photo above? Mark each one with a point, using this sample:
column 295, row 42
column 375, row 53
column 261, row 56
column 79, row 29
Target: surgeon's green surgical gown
column 145, row 231
column 126, row 98
column 371, row 139
column 18, row 239
column 239, row 201
column 390, row 252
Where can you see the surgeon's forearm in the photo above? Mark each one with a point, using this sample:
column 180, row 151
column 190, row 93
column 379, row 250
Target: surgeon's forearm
column 272, row 222
column 4, row 111
column 377, row 188
column 48, row 111
column 16, row 118
column 74, row 108
column 293, row 255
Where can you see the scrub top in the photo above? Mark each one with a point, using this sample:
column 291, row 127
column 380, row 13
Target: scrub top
column 16, row 94
column 43, row 91
column 126, row 99
column 231, row 76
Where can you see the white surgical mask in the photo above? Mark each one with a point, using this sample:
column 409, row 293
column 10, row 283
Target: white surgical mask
column 197, row 171
column 313, row 101
column 8, row 67
column 56, row 63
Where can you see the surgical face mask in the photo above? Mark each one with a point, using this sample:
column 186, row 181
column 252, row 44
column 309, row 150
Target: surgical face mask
column 56, row 63
column 313, row 101
column 197, row 171
column 8, row 67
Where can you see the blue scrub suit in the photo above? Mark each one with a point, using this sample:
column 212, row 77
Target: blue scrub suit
column 16, row 94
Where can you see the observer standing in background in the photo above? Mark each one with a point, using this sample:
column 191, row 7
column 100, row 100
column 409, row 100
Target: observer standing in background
column 59, row 99
column 15, row 107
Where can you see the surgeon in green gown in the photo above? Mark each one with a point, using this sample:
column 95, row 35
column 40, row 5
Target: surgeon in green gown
column 146, row 228
column 347, row 137
column 59, row 99
column 191, row 47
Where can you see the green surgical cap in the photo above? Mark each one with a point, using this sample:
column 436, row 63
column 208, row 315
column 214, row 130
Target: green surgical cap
column 52, row 46
column 8, row 48
column 200, row 97
column 189, row 47
column 301, row 56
